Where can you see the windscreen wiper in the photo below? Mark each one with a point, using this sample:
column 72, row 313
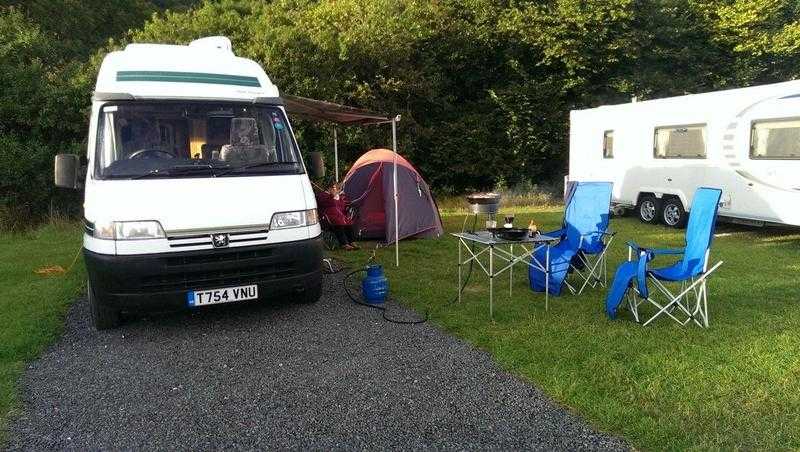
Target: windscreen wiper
column 179, row 169
column 243, row 168
column 152, row 173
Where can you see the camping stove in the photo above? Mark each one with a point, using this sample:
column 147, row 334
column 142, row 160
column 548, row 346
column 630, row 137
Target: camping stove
column 484, row 203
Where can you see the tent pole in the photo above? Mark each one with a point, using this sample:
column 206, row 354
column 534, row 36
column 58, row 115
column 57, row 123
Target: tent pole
column 336, row 153
column 394, row 170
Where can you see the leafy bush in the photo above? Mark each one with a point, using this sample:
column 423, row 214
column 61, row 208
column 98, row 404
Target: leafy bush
column 45, row 60
column 484, row 87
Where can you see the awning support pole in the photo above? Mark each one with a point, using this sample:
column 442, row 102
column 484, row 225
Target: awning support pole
column 336, row 153
column 394, row 176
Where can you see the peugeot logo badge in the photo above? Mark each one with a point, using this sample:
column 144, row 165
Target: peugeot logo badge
column 219, row 240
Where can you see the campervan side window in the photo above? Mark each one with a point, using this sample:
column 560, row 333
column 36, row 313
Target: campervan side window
column 775, row 139
column 680, row 142
column 608, row 144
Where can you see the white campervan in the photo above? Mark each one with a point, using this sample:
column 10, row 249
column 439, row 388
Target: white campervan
column 195, row 191
column 744, row 141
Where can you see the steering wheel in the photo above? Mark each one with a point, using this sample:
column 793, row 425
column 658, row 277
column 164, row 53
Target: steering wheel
column 144, row 152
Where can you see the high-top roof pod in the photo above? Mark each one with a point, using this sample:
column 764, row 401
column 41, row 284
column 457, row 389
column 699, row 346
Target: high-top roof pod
column 205, row 69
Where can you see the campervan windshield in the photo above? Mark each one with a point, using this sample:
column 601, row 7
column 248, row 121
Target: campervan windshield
column 193, row 139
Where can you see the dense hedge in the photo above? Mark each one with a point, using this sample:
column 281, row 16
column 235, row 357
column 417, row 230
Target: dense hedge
column 484, row 86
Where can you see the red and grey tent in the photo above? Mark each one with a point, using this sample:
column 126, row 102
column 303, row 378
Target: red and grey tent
column 370, row 185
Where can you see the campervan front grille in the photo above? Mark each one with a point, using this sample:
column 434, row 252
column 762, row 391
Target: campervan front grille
column 212, row 258
column 204, row 279
column 202, row 240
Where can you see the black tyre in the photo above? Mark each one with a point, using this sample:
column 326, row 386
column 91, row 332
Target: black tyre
column 103, row 317
column 648, row 209
column 312, row 294
column 673, row 214
column 618, row 211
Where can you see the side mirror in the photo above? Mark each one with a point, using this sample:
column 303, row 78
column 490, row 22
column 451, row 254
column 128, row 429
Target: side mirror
column 317, row 165
column 67, row 167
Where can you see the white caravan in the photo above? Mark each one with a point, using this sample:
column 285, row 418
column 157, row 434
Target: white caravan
column 744, row 141
column 195, row 190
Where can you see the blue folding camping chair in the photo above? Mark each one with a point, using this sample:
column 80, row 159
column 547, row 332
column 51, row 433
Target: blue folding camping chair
column 584, row 241
column 691, row 272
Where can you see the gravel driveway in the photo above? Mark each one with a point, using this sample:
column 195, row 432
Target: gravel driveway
column 262, row 376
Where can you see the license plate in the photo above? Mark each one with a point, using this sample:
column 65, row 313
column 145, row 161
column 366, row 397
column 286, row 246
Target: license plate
column 223, row 295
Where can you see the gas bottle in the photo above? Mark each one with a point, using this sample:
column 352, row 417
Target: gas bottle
column 374, row 286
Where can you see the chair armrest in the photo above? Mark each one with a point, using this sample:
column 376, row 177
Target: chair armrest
column 641, row 275
column 556, row 233
column 603, row 233
column 632, row 245
column 655, row 251
column 667, row 251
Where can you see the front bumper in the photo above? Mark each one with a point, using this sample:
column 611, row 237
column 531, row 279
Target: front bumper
column 161, row 281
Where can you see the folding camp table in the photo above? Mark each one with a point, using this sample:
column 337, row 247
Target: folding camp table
column 497, row 247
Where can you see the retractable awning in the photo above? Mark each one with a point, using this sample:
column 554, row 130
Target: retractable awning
column 329, row 111
column 320, row 110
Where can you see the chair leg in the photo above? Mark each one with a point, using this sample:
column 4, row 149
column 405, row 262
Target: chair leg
column 594, row 273
column 702, row 306
column 605, row 271
column 633, row 305
column 698, row 314
column 571, row 289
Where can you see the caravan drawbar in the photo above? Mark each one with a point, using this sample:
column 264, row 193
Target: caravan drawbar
column 658, row 152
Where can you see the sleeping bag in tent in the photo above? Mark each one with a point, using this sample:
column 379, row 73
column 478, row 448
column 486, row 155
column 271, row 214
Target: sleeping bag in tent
column 369, row 186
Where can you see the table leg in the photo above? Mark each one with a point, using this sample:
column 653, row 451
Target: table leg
column 491, row 282
column 459, row 271
column 547, row 277
column 511, row 272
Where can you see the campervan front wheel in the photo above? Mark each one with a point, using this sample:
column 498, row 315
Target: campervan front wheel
column 673, row 214
column 312, row 294
column 103, row 317
column 648, row 209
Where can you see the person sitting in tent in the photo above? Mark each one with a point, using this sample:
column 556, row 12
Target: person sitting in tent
column 333, row 205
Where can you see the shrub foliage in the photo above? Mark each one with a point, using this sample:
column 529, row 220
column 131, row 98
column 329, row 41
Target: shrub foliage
column 484, row 87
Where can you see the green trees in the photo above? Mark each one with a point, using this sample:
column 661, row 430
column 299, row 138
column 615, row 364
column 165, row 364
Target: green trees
column 484, row 86
column 31, row 123
column 764, row 36
column 46, row 78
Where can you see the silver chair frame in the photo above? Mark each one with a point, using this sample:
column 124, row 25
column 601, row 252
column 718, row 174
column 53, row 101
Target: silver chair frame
column 691, row 302
column 595, row 267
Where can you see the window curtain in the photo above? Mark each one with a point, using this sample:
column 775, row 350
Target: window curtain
column 762, row 138
column 662, row 142
column 704, row 135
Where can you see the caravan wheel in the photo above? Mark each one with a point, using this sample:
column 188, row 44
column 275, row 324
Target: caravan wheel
column 673, row 214
column 648, row 209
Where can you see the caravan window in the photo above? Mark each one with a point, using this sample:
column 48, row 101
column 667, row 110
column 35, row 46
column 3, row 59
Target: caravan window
column 688, row 142
column 608, row 144
column 775, row 139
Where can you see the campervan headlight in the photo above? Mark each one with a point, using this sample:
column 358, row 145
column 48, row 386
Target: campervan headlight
column 129, row 230
column 296, row 219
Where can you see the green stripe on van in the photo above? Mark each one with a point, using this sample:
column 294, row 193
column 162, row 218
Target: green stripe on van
column 186, row 77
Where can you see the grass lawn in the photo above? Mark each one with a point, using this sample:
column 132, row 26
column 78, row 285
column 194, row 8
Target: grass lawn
column 32, row 306
column 735, row 385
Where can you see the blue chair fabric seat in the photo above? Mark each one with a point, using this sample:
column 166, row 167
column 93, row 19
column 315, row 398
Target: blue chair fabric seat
column 584, row 233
